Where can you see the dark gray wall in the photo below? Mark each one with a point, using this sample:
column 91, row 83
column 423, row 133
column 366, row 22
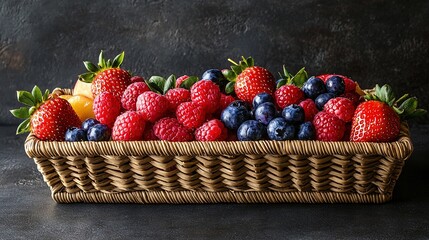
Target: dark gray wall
column 44, row 42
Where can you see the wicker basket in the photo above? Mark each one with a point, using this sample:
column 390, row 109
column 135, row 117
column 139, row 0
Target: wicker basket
column 214, row 172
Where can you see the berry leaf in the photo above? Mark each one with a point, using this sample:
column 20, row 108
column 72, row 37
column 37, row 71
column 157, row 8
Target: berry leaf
column 187, row 84
column 229, row 88
column 90, row 66
column 26, row 98
column 229, row 75
column 86, row 77
column 101, row 60
column 169, row 83
column 117, row 61
column 281, row 83
column 22, row 112
column 37, row 94
column 300, row 77
column 24, row 126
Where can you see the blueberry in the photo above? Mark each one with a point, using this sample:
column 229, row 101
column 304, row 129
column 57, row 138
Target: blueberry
column 235, row 114
column 89, row 123
column 335, row 85
column 75, row 134
column 306, row 131
column 262, row 98
column 251, row 130
column 322, row 99
column 98, row 132
column 216, row 76
column 313, row 87
column 265, row 112
column 279, row 129
column 293, row 114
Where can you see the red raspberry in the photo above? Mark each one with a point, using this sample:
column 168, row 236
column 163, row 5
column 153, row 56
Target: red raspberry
column 328, row 127
column 137, row 79
column 170, row 129
column 206, row 94
column 213, row 130
column 343, row 108
column 347, row 132
column 180, row 80
column 225, row 100
column 129, row 98
column 354, row 96
column 152, row 106
column 176, row 96
column 350, row 85
column 106, row 108
column 190, row 114
column 310, row 109
column 129, row 126
column 148, row 134
column 287, row 95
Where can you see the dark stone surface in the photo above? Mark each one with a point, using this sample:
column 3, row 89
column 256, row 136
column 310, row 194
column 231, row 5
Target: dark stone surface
column 28, row 212
column 44, row 42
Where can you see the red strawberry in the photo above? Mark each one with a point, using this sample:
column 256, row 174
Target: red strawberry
column 176, row 96
column 49, row 116
column 180, row 80
column 137, row 79
column 343, row 108
column 107, row 76
column 250, row 80
column 106, row 108
column 152, row 106
column 310, row 109
column 190, row 114
column 206, row 94
column 288, row 94
column 129, row 98
column 328, row 127
column 170, row 129
column 348, row 82
column 129, row 126
column 213, row 130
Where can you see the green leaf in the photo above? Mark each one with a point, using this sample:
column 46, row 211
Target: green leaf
column 229, row 75
column 21, row 112
column 229, row 88
column 26, row 98
column 169, row 83
column 24, row 126
column 250, row 62
column 300, row 77
column 409, row 106
column 187, row 84
column 159, row 81
column 101, row 60
column 90, row 66
column 87, row 77
column 37, row 94
column 281, row 83
column 237, row 69
column 117, row 61
column 46, row 95
column 31, row 110
column 108, row 63
column 417, row 113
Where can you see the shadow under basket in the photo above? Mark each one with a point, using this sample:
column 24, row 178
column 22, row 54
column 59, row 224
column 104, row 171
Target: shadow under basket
column 220, row 172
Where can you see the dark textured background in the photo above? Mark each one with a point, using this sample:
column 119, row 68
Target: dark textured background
column 44, row 42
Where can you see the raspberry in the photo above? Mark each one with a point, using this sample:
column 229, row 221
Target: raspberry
column 170, row 129
column 328, row 127
column 347, row 132
column 152, row 106
column 176, row 96
column 310, row 109
column 137, row 79
column 225, row 100
column 206, row 94
column 190, row 114
column 287, row 95
column 213, row 130
column 129, row 98
column 129, row 126
column 106, row 108
column 180, row 80
column 354, row 96
column 343, row 108
column 148, row 134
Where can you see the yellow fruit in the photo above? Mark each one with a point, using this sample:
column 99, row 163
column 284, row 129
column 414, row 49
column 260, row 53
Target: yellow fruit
column 82, row 106
column 82, row 89
column 66, row 97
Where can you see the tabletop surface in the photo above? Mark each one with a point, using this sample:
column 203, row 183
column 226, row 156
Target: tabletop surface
column 27, row 210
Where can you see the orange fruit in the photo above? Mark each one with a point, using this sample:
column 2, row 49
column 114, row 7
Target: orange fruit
column 82, row 105
column 83, row 89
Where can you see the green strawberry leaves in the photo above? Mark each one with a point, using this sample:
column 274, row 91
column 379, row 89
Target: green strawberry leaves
column 103, row 64
column 287, row 78
column 161, row 85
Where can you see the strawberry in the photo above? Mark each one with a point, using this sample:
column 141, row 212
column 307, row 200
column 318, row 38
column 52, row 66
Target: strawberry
column 170, row 129
column 47, row 116
column 348, row 82
column 310, row 109
column 213, row 130
column 106, row 76
column 206, row 94
column 152, row 106
column 328, row 127
column 379, row 118
column 341, row 107
column 129, row 126
column 106, row 108
column 129, row 98
column 190, row 114
column 248, row 80
column 176, row 96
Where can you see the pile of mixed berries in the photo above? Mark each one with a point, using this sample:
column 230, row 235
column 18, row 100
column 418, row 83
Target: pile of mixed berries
column 244, row 103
